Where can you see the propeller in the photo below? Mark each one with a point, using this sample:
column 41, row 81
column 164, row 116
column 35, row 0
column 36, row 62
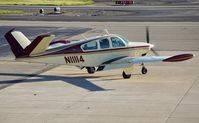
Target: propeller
column 147, row 34
column 148, row 41
column 154, row 52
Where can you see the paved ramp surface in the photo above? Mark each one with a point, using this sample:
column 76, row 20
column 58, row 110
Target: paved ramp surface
column 65, row 94
column 167, row 94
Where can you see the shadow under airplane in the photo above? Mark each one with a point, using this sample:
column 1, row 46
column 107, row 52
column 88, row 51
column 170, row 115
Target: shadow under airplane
column 79, row 81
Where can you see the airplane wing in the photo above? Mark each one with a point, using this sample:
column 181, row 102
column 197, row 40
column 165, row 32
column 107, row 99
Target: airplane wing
column 139, row 60
column 128, row 61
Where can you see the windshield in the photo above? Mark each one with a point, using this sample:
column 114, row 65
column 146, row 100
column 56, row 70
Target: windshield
column 117, row 42
column 124, row 39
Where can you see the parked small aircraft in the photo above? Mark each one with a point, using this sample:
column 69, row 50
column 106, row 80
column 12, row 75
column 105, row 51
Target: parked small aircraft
column 104, row 52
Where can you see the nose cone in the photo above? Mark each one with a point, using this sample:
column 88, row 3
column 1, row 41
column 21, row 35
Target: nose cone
column 151, row 45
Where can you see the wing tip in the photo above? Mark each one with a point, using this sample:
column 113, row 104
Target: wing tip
column 178, row 58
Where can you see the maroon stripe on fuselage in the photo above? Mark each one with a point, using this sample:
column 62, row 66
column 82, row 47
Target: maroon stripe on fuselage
column 77, row 49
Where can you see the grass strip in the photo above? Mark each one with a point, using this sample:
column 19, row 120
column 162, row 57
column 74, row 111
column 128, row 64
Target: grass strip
column 2, row 12
column 46, row 2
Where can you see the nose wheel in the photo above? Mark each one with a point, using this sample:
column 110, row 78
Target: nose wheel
column 144, row 70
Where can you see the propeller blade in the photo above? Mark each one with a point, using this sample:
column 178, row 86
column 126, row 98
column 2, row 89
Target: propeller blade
column 148, row 41
column 147, row 35
column 154, row 52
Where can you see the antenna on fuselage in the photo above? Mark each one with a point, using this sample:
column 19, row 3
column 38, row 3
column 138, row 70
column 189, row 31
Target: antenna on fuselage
column 84, row 36
column 106, row 30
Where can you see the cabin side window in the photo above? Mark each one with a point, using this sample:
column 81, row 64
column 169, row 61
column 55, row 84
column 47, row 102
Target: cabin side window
column 92, row 45
column 117, row 42
column 104, row 43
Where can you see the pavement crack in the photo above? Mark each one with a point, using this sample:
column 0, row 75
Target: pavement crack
column 170, row 115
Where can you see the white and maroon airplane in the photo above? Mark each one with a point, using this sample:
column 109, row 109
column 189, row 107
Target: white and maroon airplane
column 99, row 53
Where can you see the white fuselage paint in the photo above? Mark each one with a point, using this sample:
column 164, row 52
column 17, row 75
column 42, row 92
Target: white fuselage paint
column 92, row 59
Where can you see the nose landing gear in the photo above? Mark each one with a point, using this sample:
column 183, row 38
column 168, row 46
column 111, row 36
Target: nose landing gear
column 144, row 69
column 127, row 72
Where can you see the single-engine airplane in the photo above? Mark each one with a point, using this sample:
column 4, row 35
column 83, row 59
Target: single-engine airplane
column 104, row 52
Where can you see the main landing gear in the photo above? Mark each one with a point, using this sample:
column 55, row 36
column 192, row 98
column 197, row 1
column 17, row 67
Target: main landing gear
column 127, row 76
column 90, row 70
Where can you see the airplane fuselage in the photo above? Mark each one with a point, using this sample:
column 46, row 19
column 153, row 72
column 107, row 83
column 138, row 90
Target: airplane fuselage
column 91, row 58
column 99, row 53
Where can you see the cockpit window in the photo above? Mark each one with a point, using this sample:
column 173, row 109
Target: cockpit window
column 117, row 42
column 90, row 46
column 104, row 43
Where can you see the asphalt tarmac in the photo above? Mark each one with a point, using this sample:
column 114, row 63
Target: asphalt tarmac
column 186, row 13
column 167, row 94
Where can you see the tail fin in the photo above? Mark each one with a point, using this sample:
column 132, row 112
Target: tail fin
column 14, row 38
column 21, row 46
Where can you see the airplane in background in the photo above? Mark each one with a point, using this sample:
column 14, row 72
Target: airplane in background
column 103, row 52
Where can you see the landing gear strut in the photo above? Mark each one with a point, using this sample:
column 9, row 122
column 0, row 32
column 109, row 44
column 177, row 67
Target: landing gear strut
column 144, row 70
column 90, row 70
column 126, row 76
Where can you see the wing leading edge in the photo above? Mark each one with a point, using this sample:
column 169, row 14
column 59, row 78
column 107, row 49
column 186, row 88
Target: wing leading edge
column 176, row 58
column 139, row 60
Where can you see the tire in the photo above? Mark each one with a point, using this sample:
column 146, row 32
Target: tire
column 126, row 76
column 144, row 70
column 91, row 70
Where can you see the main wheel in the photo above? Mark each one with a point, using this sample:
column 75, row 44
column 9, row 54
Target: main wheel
column 90, row 70
column 126, row 76
column 144, row 70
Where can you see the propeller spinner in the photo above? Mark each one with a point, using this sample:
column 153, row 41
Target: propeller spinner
column 148, row 41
